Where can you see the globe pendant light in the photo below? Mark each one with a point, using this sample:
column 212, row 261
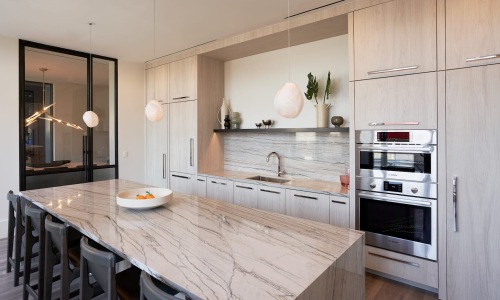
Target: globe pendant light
column 154, row 110
column 89, row 117
column 289, row 100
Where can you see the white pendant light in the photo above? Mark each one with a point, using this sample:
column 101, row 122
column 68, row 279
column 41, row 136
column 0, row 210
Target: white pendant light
column 154, row 109
column 289, row 100
column 89, row 117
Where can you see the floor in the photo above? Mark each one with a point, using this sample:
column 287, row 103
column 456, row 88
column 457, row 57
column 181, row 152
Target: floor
column 377, row 288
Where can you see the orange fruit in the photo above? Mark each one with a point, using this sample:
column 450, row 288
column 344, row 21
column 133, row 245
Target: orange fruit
column 140, row 197
column 149, row 195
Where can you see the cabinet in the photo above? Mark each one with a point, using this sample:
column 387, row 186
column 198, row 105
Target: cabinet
column 472, row 146
column 183, row 79
column 157, row 132
column 245, row 194
column 271, row 199
column 411, row 98
column 183, row 135
column 395, row 38
column 339, row 211
column 472, row 35
column 182, row 183
column 201, row 186
column 220, row 189
column 307, row 205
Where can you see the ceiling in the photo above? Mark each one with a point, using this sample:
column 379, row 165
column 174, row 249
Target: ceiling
column 124, row 29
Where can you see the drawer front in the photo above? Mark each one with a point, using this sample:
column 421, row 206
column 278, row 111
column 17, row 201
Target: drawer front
column 201, row 186
column 271, row 199
column 182, row 183
column 220, row 189
column 339, row 211
column 245, row 194
column 307, row 205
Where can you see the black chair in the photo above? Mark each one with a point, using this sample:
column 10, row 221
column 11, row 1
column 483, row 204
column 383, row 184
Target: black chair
column 57, row 250
column 101, row 264
column 35, row 233
column 156, row 290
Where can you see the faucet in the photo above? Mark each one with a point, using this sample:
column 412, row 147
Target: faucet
column 279, row 162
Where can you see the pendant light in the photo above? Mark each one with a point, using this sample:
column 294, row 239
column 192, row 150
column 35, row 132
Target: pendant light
column 154, row 110
column 289, row 100
column 89, row 117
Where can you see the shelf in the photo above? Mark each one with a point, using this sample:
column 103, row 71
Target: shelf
column 283, row 130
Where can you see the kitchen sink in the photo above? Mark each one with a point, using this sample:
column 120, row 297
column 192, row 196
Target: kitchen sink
column 269, row 179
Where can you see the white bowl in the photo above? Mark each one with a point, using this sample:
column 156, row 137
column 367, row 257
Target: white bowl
column 127, row 198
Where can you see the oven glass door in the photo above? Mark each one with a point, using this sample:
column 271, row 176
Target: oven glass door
column 407, row 162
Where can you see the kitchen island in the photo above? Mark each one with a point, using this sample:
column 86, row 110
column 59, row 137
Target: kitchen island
column 216, row 250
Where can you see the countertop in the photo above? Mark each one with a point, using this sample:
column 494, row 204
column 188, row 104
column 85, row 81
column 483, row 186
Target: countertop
column 216, row 250
column 311, row 185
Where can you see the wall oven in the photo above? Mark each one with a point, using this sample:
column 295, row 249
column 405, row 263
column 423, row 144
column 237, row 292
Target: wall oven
column 396, row 190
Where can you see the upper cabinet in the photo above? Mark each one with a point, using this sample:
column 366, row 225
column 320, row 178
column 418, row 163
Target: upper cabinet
column 472, row 33
column 395, row 38
column 183, row 79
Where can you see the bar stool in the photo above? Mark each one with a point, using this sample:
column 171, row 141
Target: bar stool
column 35, row 222
column 156, row 290
column 56, row 249
column 101, row 264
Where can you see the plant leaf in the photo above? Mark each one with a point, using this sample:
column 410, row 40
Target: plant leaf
column 327, row 88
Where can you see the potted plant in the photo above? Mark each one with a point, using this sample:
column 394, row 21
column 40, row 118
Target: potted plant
column 322, row 109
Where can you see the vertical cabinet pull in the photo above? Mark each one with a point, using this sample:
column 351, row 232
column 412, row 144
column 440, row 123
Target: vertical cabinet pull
column 164, row 166
column 455, row 203
column 191, row 154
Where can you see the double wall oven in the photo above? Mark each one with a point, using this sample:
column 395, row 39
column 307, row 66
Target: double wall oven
column 396, row 190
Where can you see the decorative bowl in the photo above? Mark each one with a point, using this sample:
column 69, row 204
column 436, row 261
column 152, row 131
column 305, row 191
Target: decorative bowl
column 128, row 199
column 337, row 121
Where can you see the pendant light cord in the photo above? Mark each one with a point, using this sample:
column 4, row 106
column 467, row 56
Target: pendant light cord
column 91, row 63
column 154, row 49
column 288, row 20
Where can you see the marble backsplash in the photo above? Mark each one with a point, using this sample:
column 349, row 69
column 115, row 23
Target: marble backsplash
column 322, row 156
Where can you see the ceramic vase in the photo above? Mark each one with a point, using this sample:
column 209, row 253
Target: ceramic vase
column 322, row 115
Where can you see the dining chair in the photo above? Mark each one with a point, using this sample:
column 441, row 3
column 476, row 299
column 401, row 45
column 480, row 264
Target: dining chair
column 35, row 233
column 157, row 290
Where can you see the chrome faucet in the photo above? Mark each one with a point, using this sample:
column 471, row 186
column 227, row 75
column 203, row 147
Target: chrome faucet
column 279, row 162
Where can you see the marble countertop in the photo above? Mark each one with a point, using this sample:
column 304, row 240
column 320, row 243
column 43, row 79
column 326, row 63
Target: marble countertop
column 312, row 185
column 211, row 249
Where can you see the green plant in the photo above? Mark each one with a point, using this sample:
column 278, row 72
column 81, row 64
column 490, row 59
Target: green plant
column 327, row 88
column 312, row 88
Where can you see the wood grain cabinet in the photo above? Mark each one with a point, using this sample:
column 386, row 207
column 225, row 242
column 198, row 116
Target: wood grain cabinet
column 472, row 33
column 271, row 199
column 307, row 205
column 399, row 100
column 183, row 79
column 183, row 183
column 183, row 137
column 157, row 150
column 395, row 38
column 245, row 194
column 220, row 189
column 201, row 186
column 339, row 211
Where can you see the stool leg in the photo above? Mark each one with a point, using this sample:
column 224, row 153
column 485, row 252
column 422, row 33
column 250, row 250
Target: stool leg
column 17, row 254
column 10, row 240
column 27, row 261
column 48, row 273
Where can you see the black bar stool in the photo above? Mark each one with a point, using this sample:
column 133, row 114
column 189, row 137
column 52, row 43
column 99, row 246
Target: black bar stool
column 101, row 263
column 35, row 223
column 157, row 290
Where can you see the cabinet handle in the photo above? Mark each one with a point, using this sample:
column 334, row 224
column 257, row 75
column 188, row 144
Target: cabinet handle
column 268, row 191
column 339, row 202
column 164, row 166
column 180, row 98
column 202, row 180
column 391, row 70
column 395, row 259
column 472, row 59
column 244, row 187
column 392, row 123
column 306, row 197
column 191, row 146
column 179, row 176
column 455, row 203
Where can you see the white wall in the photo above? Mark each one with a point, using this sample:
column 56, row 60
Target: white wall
column 131, row 128
column 252, row 82
column 9, row 122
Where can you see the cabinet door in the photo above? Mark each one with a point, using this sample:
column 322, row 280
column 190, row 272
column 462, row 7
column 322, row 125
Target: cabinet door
column 245, row 194
column 307, row 205
column 183, row 79
column 157, row 132
column 395, row 38
column 220, row 189
column 339, row 211
column 402, row 99
column 472, row 155
column 271, row 199
column 182, row 183
column 472, row 33
column 201, row 186
column 182, row 128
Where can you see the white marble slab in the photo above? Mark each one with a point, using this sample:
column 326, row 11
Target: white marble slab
column 216, row 250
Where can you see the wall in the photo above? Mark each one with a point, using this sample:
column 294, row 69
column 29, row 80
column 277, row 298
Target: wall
column 9, row 120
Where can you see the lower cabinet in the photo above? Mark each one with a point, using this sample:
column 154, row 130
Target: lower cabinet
column 183, row 183
column 339, row 211
column 271, row 199
column 307, row 205
column 220, row 189
column 201, row 186
column 245, row 194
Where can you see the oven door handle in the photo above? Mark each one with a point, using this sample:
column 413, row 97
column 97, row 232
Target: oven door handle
column 395, row 200
column 425, row 149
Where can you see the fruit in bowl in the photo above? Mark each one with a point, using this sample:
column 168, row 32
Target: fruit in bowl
column 148, row 195
column 149, row 198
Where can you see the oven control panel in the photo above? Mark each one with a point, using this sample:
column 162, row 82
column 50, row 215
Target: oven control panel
column 407, row 188
column 393, row 186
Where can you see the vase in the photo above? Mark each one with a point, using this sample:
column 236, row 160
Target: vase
column 227, row 122
column 235, row 120
column 322, row 115
column 337, row 121
column 223, row 111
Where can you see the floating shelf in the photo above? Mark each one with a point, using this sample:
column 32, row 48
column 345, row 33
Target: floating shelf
column 284, row 130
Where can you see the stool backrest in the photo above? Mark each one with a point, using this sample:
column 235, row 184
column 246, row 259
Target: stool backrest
column 102, row 266
column 150, row 291
column 15, row 205
column 58, row 234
